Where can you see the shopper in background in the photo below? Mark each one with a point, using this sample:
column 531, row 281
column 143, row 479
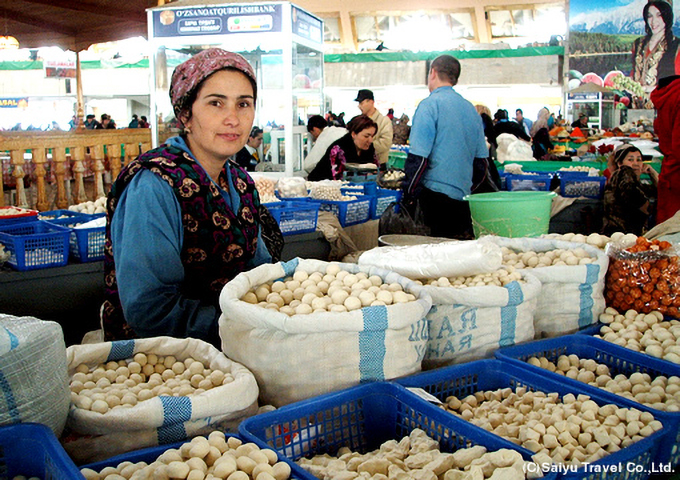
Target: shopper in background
column 525, row 123
column 248, row 157
column 540, row 135
column 581, row 122
column 447, row 135
column 354, row 147
column 626, row 200
column 134, row 123
column 654, row 55
column 143, row 122
column 383, row 139
column 323, row 135
column 401, row 130
column 390, row 114
column 182, row 219
column 503, row 125
column 489, row 131
column 91, row 123
column 107, row 122
column 666, row 98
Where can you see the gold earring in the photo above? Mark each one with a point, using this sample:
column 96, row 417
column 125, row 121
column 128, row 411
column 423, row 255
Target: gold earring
column 187, row 130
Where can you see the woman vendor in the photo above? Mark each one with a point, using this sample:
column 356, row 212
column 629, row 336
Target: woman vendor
column 354, row 147
column 183, row 219
column 626, row 199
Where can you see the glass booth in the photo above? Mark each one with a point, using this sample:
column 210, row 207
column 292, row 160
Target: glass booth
column 599, row 106
column 282, row 42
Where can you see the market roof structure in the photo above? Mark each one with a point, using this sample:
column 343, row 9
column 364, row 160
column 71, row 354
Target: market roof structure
column 72, row 24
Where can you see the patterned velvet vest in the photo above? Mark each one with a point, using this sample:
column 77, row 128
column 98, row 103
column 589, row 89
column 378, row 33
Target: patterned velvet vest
column 218, row 243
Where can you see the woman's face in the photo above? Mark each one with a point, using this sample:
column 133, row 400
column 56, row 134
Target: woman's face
column 634, row 161
column 655, row 21
column 221, row 116
column 364, row 138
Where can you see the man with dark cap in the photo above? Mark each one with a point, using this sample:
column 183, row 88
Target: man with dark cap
column 447, row 136
column 382, row 142
column 666, row 98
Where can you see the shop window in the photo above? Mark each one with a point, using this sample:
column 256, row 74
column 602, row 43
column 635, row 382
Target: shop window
column 331, row 30
column 413, row 30
column 534, row 22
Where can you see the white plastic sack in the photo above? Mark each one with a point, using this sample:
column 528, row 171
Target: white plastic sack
column 33, row 378
column 572, row 297
column 158, row 420
column 471, row 323
column 446, row 259
column 511, row 148
column 289, row 187
column 300, row 356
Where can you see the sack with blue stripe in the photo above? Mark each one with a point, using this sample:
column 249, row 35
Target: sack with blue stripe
column 162, row 419
column 33, row 378
column 300, row 356
column 572, row 297
column 471, row 323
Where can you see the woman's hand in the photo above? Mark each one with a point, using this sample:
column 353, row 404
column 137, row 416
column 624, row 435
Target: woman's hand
column 649, row 170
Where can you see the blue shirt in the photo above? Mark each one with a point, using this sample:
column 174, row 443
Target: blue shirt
column 448, row 131
column 147, row 237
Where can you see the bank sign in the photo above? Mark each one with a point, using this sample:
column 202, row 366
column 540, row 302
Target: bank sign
column 217, row 20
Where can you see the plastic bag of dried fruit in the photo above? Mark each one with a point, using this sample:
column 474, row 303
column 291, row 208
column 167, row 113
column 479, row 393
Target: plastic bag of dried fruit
column 644, row 277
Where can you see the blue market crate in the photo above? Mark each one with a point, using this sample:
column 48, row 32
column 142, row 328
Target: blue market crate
column 361, row 418
column 32, row 450
column 61, row 214
column 533, row 183
column 9, row 217
column 85, row 244
column 482, row 375
column 294, row 216
column 576, row 185
column 34, row 245
column 384, row 199
column 591, row 330
column 620, row 361
column 349, row 212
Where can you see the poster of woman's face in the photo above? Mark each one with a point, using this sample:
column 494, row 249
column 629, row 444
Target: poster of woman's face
column 635, row 40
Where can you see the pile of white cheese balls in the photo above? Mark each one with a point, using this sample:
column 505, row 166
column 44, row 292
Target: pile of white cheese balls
column 662, row 393
column 125, row 383
column 646, row 333
column 336, row 290
column 569, row 430
column 212, row 458
column 559, row 256
column 499, row 278
column 417, row 456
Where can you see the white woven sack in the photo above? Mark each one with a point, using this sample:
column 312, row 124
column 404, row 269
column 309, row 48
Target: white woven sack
column 300, row 356
column 164, row 419
column 572, row 297
column 471, row 323
column 33, row 378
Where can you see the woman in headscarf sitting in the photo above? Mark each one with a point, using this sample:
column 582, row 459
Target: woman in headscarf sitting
column 540, row 136
column 354, row 147
column 183, row 219
column 627, row 201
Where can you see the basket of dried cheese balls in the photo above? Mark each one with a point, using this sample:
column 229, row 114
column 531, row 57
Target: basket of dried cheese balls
column 641, row 380
column 138, row 393
column 572, row 277
column 582, row 432
column 215, row 455
column 307, row 327
column 380, row 430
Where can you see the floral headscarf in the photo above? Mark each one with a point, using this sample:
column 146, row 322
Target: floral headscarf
column 188, row 76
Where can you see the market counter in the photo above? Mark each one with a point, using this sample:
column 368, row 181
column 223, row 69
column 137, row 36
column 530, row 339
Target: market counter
column 72, row 295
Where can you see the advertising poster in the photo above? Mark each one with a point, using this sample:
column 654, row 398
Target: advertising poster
column 627, row 45
column 59, row 68
column 217, row 20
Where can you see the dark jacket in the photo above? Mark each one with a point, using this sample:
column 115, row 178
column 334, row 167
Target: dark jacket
column 513, row 128
column 342, row 151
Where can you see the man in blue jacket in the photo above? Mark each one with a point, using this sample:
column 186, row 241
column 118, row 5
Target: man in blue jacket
column 446, row 137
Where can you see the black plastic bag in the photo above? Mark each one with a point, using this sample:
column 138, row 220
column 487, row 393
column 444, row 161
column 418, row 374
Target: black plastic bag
column 397, row 220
